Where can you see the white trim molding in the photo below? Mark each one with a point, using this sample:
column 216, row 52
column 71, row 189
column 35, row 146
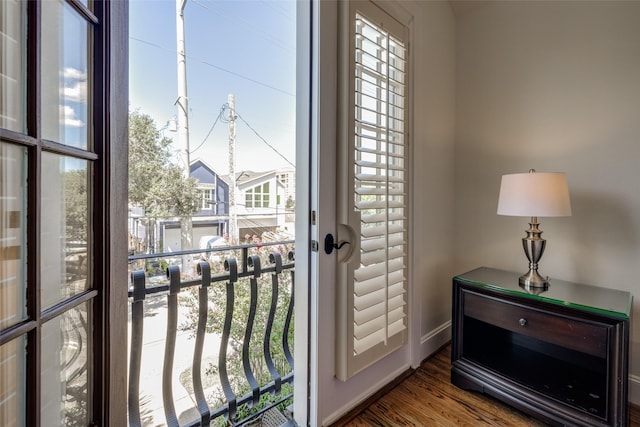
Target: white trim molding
column 435, row 339
column 364, row 395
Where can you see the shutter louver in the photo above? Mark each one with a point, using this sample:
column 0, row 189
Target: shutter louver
column 379, row 198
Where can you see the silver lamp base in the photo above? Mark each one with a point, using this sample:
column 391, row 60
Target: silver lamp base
column 533, row 245
column 533, row 279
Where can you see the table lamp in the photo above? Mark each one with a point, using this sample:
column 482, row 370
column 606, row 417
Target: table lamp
column 534, row 194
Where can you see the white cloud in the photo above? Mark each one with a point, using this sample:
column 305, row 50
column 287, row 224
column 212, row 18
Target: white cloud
column 75, row 85
column 69, row 118
column 74, row 73
column 76, row 92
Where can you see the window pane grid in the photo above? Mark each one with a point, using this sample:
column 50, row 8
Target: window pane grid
column 59, row 56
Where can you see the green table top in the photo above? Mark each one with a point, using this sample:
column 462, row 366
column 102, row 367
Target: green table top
column 605, row 301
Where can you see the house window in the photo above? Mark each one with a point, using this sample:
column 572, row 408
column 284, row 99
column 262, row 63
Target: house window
column 257, row 197
column 208, row 199
column 373, row 314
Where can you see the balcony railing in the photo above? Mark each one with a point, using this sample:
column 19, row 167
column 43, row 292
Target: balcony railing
column 249, row 316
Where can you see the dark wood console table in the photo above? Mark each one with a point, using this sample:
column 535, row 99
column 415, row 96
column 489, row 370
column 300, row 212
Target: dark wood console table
column 560, row 355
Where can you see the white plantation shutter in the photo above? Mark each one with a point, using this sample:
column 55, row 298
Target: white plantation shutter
column 373, row 191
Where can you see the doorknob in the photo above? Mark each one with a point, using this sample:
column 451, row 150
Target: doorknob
column 330, row 244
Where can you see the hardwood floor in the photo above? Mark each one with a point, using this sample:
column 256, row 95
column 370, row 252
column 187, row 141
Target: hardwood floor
column 427, row 398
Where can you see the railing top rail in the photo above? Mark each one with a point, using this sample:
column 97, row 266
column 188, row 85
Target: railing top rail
column 222, row 277
column 215, row 249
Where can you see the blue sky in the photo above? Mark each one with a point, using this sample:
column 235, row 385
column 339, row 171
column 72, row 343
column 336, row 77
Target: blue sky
column 243, row 47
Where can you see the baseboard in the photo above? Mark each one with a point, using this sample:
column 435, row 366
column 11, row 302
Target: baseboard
column 429, row 344
column 351, row 409
column 634, row 389
column 435, row 340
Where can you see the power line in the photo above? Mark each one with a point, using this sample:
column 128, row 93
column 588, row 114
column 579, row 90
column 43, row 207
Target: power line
column 264, row 140
column 215, row 66
column 211, row 128
column 221, row 117
column 264, row 35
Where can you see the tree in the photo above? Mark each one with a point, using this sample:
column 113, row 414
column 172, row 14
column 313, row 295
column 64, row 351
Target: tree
column 242, row 300
column 290, row 204
column 156, row 184
column 75, row 195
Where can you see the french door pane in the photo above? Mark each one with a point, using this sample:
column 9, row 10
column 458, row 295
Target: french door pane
column 66, row 38
column 65, row 224
column 13, row 215
column 65, row 368
column 49, row 336
column 12, row 383
column 11, row 65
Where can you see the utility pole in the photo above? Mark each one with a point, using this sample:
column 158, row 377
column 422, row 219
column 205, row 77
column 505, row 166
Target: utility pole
column 182, row 101
column 233, row 215
column 186, row 226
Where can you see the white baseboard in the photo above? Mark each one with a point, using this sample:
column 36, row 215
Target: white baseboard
column 364, row 396
column 429, row 344
column 434, row 340
column 634, row 389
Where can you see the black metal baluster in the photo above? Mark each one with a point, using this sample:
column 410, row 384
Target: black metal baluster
column 135, row 357
column 173, row 273
column 203, row 302
column 287, row 322
column 232, row 267
column 254, row 262
column 276, row 259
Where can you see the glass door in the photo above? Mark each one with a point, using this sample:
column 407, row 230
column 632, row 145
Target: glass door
column 50, row 295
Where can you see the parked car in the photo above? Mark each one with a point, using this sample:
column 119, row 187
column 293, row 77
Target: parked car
column 211, row 242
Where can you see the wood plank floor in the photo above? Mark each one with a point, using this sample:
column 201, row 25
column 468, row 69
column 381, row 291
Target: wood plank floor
column 427, row 398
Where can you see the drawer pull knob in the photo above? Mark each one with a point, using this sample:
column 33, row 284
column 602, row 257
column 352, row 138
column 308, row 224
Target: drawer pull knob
column 523, row 322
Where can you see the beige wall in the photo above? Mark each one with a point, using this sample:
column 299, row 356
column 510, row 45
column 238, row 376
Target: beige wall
column 433, row 173
column 554, row 86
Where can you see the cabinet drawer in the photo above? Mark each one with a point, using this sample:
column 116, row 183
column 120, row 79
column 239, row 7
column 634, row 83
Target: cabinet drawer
column 569, row 333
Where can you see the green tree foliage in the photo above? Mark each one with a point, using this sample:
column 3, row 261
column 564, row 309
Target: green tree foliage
column 75, row 198
column 216, row 314
column 155, row 183
column 290, row 204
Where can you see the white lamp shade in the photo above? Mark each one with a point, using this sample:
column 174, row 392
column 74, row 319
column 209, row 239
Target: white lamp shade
column 539, row 194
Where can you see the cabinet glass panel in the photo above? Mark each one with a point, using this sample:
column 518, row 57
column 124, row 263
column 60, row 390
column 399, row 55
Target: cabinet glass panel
column 66, row 75
column 610, row 302
column 65, row 374
column 13, row 215
column 65, row 228
column 12, row 383
column 12, row 46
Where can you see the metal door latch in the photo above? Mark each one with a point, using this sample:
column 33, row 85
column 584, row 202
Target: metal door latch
column 330, row 245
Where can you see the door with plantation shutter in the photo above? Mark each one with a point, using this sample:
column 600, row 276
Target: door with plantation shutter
column 373, row 197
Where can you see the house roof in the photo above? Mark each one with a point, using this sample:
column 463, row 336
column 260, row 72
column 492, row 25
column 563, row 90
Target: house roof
column 194, row 165
column 204, row 173
column 248, row 178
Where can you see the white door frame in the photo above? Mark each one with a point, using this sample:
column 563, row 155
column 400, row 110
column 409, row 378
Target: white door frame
column 305, row 258
column 327, row 397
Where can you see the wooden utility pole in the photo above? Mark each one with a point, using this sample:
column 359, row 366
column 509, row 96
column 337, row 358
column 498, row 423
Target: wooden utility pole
column 186, row 226
column 233, row 214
